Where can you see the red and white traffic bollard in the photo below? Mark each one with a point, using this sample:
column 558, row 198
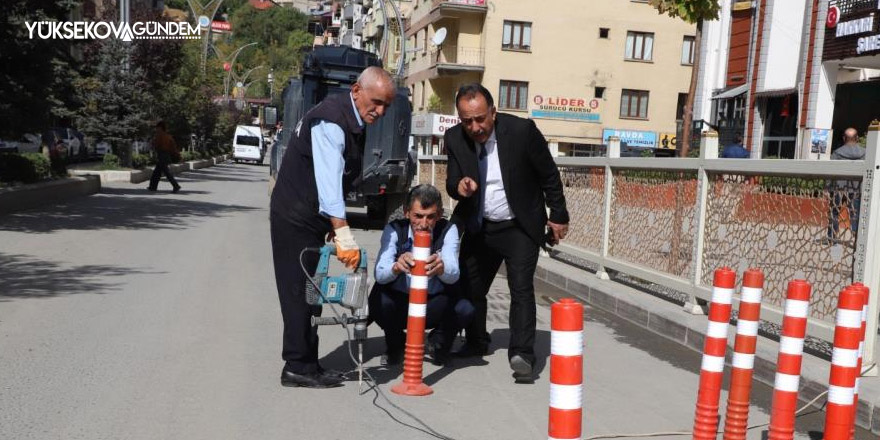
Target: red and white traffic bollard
column 865, row 291
column 737, row 418
column 566, row 369
column 839, row 411
column 788, row 362
column 712, row 368
column 414, row 352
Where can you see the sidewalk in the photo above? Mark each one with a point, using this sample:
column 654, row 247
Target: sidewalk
column 670, row 320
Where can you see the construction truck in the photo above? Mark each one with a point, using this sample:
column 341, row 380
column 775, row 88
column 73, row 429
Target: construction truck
column 388, row 168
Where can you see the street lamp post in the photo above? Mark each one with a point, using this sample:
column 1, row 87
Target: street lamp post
column 204, row 13
column 243, row 78
column 230, row 71
column 270, row 79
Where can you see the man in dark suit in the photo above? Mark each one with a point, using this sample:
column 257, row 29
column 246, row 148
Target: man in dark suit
column 503, row 176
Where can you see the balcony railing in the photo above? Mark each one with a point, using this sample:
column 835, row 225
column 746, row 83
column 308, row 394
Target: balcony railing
column 450, row 56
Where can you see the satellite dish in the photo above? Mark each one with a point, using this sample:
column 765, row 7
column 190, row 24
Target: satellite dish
column 439, row 36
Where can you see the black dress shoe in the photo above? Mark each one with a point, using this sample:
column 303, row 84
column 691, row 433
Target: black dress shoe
column 472, row 350
column 440, row 357
column 333, row 373
column 309, row 380
column 391, row 358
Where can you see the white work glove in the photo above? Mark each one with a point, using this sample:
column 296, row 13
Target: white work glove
column 347, row 250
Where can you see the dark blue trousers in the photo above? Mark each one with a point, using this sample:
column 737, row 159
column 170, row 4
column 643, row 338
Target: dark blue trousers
column 447, row 312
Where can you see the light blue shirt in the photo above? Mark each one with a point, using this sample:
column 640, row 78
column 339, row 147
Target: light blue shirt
column 388, row 256
column 328, row 147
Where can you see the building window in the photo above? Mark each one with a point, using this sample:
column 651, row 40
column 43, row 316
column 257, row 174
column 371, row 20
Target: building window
column 603, row 32
column 634, row 104
column 680, row 106
column 687, row 51
column 424, row 92
column 514, row 95
column 425, row 42
column 517, row 35
column 600, row 93
column 639, row 46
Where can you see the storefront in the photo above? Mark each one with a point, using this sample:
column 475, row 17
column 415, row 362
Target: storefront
column 850, row 72
column 427, row 132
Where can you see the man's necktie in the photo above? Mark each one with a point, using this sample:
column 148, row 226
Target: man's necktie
column 484, row 169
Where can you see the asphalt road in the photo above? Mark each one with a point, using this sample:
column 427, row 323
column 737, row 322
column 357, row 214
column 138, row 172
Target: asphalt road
column 136, row 315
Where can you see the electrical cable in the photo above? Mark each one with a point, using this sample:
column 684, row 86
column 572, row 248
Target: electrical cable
column 371, row 382
column 374, row 385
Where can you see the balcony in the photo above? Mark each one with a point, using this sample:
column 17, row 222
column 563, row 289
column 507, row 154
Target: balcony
column 460, row 5
column 347, row 37
column 458, row 58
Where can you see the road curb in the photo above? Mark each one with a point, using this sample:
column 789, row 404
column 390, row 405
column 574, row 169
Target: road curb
column 24, row 197
column 138, row 176
column 671, row 321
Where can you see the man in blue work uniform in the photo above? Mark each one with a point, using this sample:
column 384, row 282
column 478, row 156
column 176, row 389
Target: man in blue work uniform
column 735, row 150
column 389, row 300
column 322, row 162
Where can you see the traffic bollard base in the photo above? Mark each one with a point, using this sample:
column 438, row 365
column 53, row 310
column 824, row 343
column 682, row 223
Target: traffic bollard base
column 412, row 389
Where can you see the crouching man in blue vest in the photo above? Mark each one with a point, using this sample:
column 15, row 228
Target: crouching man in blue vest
column 447, row 312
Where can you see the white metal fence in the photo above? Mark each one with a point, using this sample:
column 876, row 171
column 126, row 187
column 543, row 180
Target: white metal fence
column 672, row 221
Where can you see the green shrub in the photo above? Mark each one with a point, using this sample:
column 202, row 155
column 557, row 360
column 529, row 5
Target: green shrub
column 794, row 185
column 41, row 164
column 141, row 160
column 187, row 156
column 25, row 168
column 111, row 161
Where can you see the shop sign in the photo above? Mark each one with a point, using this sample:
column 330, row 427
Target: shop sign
column 565, row 108
column 221, row 26
column 848, row 22
column 632, row 138
column 668, row 141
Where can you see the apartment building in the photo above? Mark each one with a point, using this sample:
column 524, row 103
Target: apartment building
column 582, row 71
column 383, row 32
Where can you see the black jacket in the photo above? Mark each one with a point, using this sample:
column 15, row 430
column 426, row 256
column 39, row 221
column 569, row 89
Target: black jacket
column 531, row 178
column 295, row 197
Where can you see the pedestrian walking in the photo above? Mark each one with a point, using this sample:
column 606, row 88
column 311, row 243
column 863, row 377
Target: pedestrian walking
column 166, row 150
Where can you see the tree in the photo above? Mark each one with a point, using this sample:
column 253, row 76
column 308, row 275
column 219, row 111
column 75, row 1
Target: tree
column 36, row 75
column 281, row 34
column 694, row 12
column 114, row 100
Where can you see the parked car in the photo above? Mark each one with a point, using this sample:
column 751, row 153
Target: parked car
column 74, row 142
column 26, row 143
column 101, row 148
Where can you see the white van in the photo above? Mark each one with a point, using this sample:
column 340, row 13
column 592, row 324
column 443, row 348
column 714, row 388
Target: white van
column 247, row 144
